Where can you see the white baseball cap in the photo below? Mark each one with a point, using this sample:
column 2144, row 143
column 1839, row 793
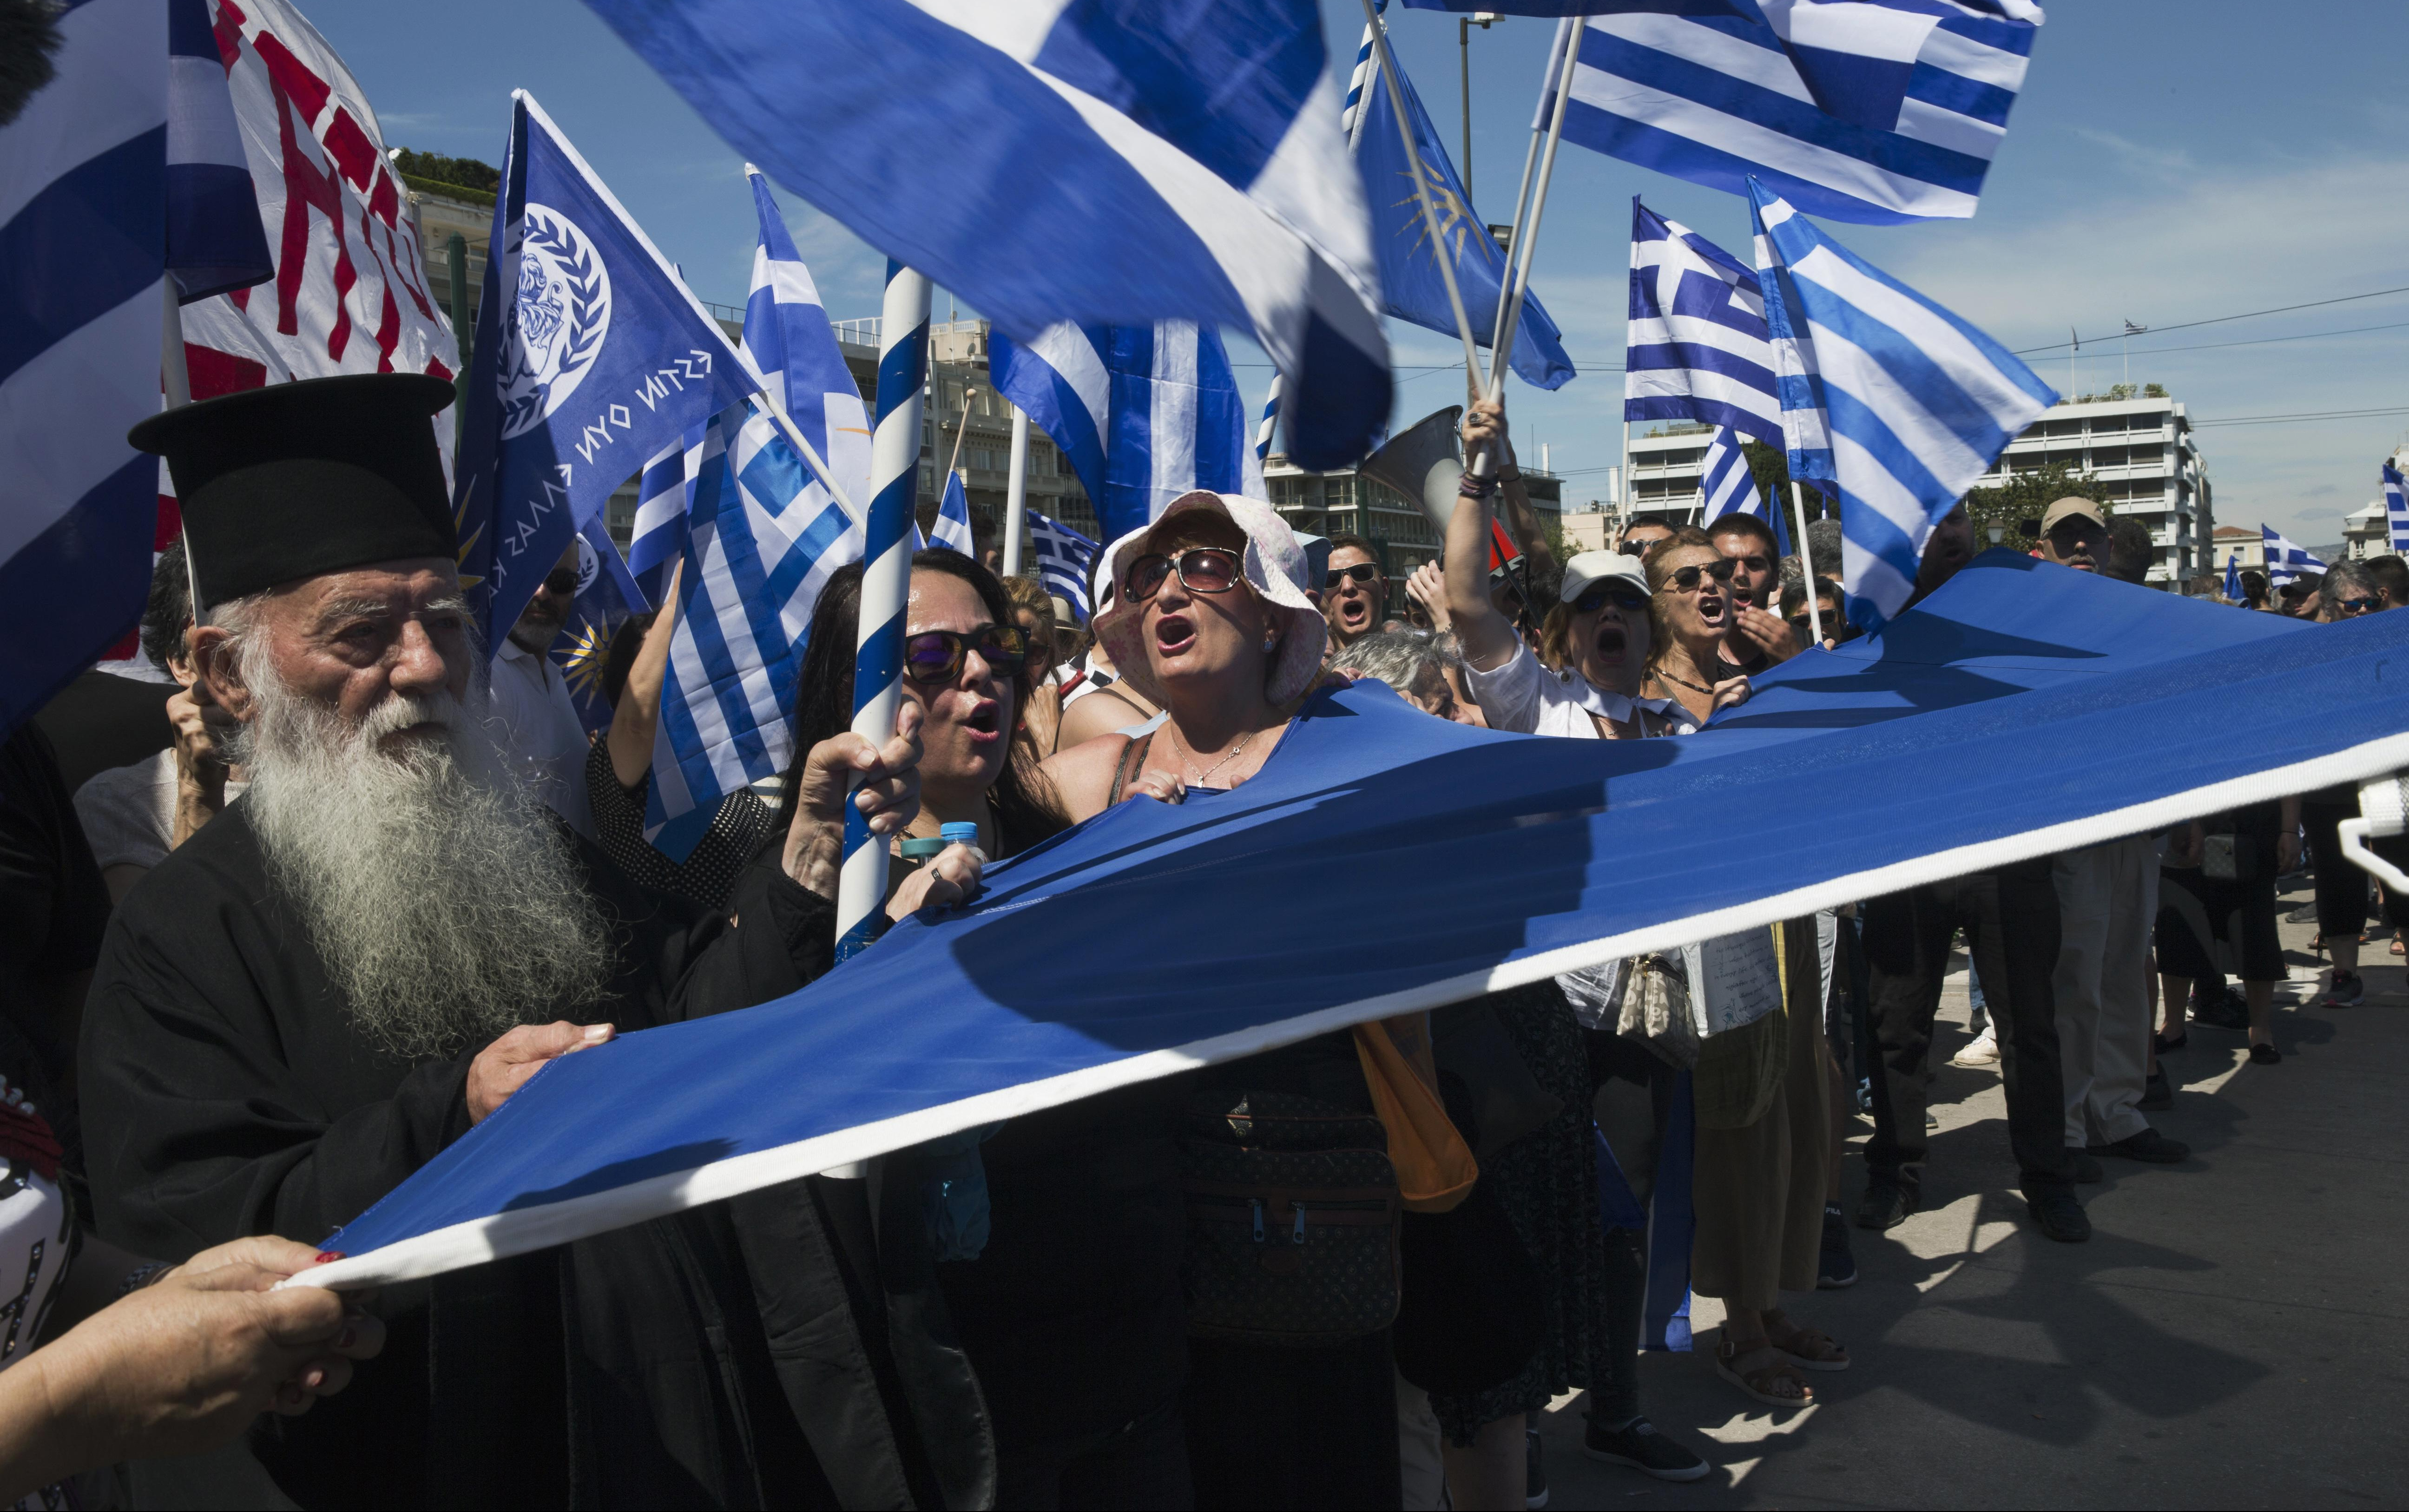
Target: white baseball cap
column 1591, row 567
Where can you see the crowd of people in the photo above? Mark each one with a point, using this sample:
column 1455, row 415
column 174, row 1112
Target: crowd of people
column 394, row 879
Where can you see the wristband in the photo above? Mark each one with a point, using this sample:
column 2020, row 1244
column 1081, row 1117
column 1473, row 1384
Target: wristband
column 142, row 1276
column 1472, row 485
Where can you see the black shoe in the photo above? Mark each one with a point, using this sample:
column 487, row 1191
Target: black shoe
column 1639, row 1445
column 2260, row 1055
column 1834, row 1267
column 2157, row 1093
column 2084, row 1168
column 1885, row 1205
column 2060, row 1217
column 1535, row 1470
column 2302, row 915
column 2227, row 1009
column 2165, row 1046
column 2149, row 1146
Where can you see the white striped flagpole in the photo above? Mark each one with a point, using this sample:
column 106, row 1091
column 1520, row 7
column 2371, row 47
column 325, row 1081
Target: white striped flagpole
column 886, row 581
column 1271, row 415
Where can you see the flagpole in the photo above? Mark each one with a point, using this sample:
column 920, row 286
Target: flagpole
column 175, row 382
column 811, row 454
column 1015, row 498
column 1387, row 70
column 1806, row 563
column 1527, row 244
column 886, row 582
column 962, row 429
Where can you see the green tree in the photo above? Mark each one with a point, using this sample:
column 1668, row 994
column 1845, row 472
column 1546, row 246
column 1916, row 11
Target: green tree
column 2025, row 495
column 467, row 172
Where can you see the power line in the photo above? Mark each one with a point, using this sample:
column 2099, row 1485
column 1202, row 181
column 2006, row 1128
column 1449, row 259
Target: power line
column 2302, row 418
column 2269, row 340
column 2218, row 319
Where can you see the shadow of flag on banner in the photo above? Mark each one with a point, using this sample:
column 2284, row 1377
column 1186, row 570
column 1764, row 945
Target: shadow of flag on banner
column 1411, row 285
column 598, row 360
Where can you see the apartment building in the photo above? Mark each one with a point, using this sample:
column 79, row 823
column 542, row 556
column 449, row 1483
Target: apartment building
column 2141, row 451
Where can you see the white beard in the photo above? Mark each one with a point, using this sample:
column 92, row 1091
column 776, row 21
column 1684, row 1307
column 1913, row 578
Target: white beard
column 446, row 905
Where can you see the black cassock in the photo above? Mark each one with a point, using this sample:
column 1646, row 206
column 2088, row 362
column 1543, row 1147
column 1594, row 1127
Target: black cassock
column 759, row 1352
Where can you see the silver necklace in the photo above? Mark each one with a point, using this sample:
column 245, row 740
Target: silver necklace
column 1190, row 758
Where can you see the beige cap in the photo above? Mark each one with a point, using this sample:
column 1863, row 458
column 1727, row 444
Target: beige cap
column 1596, row 567
column 2071, row 508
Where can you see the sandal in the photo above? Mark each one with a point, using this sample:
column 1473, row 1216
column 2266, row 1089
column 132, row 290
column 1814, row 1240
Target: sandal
column 1762, row 1373
column 2400, row 946
column 1809, row 1349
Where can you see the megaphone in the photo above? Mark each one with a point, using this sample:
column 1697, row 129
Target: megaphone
column 1424, row 462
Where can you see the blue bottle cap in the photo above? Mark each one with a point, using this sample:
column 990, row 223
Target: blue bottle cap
column 962, row 834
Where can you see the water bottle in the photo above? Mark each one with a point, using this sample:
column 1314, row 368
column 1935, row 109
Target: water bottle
column 962, row 834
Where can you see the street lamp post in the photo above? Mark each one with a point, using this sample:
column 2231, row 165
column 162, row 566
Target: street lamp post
column 1464, row 25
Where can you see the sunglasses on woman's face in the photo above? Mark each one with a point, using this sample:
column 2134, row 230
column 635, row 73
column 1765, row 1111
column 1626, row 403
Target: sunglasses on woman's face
column 1686, row 579
column 1598, row 595
column 1359, row 572
column 1201, row 570
column 937, row 656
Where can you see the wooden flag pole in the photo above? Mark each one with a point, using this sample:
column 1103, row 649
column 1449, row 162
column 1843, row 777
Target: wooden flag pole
column 1806, row 563
column 962, row 429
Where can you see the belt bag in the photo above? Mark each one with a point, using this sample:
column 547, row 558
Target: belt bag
column 2228, row 858
column 1292, row 1220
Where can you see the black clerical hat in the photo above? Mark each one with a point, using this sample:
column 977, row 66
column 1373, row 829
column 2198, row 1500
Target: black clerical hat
column 297, row 479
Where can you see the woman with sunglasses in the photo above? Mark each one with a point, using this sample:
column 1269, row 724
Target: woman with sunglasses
column 1032, row 611
column 1208, row 623
column 1071, row 1314
column 1689, row 608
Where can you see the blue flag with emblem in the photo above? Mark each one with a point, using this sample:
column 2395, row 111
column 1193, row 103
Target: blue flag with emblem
column 1411, row 285
column 606, row 597
column 595, row 360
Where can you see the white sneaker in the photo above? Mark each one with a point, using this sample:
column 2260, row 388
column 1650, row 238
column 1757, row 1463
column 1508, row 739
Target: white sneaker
column 1984, row 1051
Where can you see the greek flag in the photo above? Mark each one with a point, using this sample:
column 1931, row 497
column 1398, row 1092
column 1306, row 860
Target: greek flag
column 953, row 527
column 1178, row 160
column 1698, row 345
column 215, row 239
column 1411, row 285
column 1144, row 412
column 595, row 361
column 762, row 537
column 788, row 334
column 82, row 251
column 1730, row 488
column 657, row 537
column 2287, row 560
column 2396, row 510
column 2233, row 576
column 1871, row 110
column 1064, row 559
column 1895, row 402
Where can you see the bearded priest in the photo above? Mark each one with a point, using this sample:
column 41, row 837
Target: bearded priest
column 381, row 941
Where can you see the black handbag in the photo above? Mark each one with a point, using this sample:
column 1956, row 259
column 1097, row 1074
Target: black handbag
column 1473, row 1311
column 1292, row 1210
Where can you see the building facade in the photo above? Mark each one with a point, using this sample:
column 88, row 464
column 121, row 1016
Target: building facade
column 1348, row 503
column 2141, row 453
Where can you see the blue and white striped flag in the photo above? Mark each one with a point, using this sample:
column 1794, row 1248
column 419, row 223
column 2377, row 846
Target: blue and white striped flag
column 1178, row 160
column 1697, row 344
column 2396, row 510
column 657, row 537
column 788, row 334
column 2287, row 560
column 82, row 253
column 952, row 532
column 1869, row 110
column 1728, row 487
column 1144, row 412
column 1064, row 559
column 215, row 238
column 762, row 537
column 1898, row 404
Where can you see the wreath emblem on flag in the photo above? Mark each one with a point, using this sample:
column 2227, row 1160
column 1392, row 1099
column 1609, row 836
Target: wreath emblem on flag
column 555, row 326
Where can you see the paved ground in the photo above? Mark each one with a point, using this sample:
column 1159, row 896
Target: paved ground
column 2231, row 1336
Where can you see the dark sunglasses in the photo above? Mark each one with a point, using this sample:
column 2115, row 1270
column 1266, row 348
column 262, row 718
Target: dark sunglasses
column 937, row 656
column 1359, row 572
column 560, row 582
column 1201, row 570
column 1624, row 596
column 1686, row 578
column 2357, row 606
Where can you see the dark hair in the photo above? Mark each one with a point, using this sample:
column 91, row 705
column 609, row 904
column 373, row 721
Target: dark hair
column 1794, row 596
column 2391, row 575
column 1661, row 521
column 2131, row 552
column 1339, row 543
column 2254, row 588
column 1744, row 525
column 1026, row 809
column 169, row 608
column 617, row 662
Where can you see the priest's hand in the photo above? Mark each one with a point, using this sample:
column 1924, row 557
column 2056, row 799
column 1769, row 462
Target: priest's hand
column 180, row 1366
column 882, row 782
column 504, row 1066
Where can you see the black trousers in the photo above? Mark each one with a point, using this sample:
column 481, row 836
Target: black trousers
column 1142, row 1464
column 2340, row 885
column 2011, row 920
column 1270, row 1429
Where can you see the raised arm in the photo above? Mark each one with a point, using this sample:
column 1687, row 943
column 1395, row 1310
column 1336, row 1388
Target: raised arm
column 1487, row 636
column 638, row 712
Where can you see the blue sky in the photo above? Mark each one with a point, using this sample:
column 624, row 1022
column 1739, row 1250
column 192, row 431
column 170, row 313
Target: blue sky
column 2163, row 165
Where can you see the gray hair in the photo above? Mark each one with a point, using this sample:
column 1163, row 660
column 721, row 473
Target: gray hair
column 2347, row 580
column 1409, row 662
